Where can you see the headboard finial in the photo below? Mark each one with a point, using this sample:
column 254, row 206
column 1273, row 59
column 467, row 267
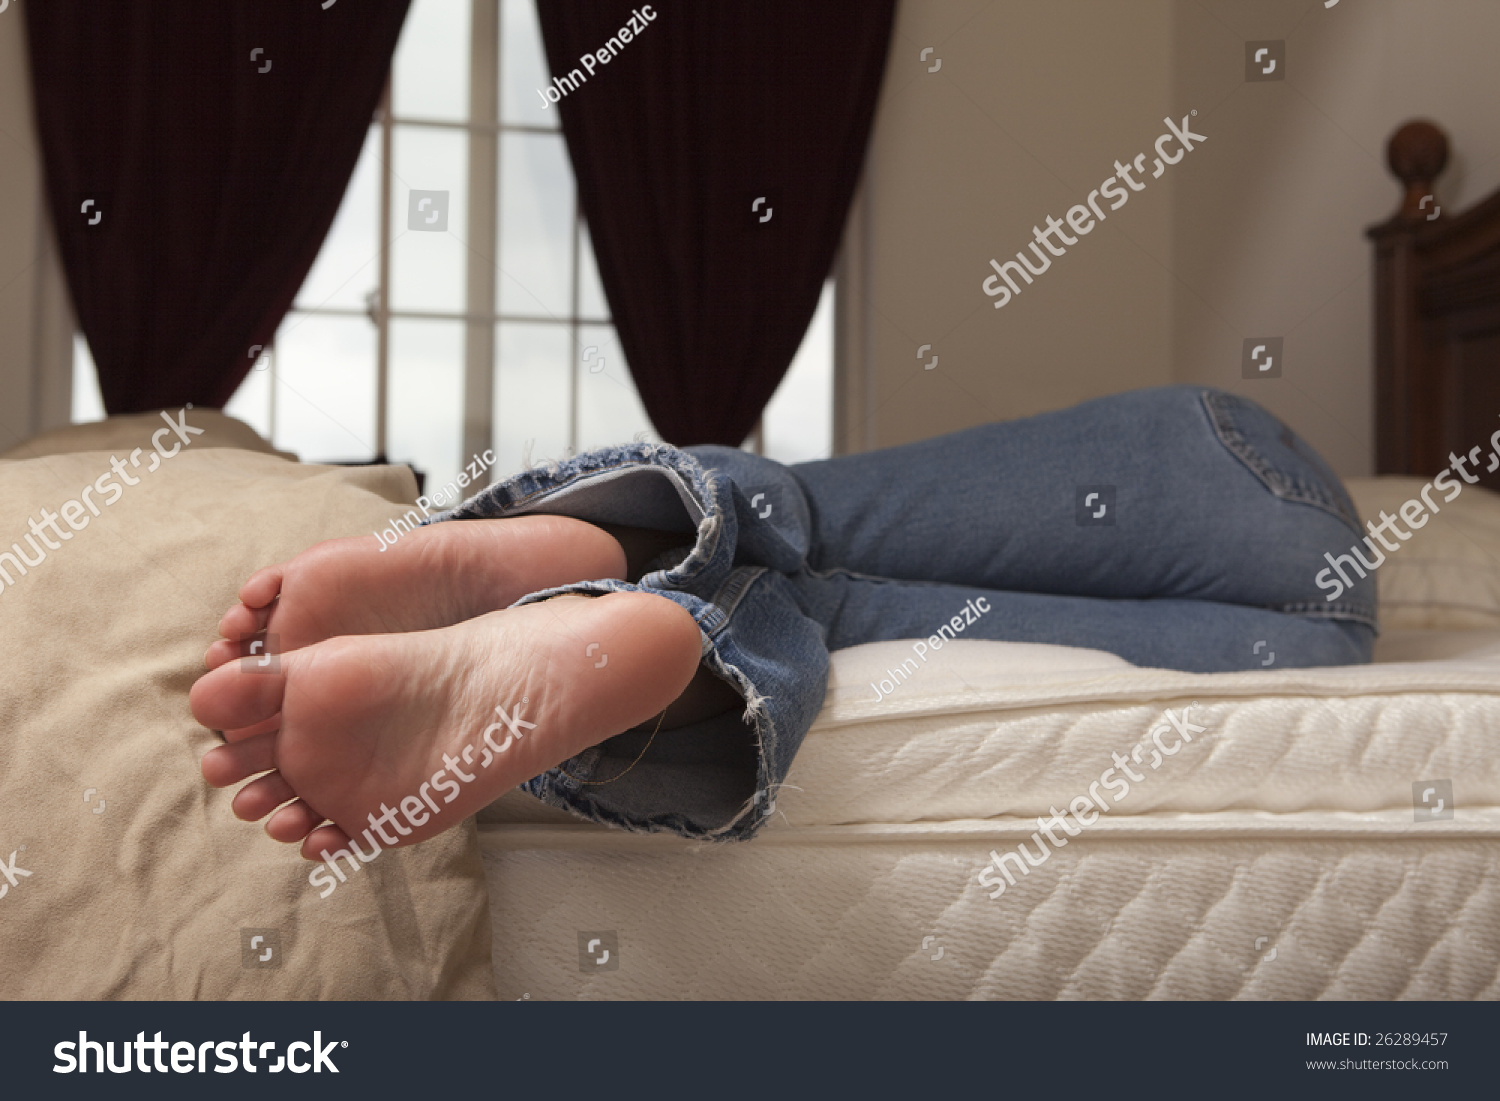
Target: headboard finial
column 1417, row 153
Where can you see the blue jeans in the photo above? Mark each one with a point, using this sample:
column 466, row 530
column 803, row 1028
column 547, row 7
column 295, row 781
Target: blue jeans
column 1176, row 527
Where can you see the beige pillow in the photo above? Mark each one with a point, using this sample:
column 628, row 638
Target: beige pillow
column 125, row 432
column 131, row 878
column 1447, row 575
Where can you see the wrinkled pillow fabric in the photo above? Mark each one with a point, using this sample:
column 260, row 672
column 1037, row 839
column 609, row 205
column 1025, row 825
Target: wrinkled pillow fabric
column 1446, row 576
column 124, row 874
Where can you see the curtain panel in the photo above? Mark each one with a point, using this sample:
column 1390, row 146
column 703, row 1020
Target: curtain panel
column 195, row 156
column 717, row 147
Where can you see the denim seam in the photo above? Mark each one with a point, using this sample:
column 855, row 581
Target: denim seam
column 584, row 476
column 729, row 594
column 834, row 571
column 1343, row 610
column 557, row 788
column 706, row 493
column 1215, row 404
column 569, row 777
column 526, row 487
column 1357, row 613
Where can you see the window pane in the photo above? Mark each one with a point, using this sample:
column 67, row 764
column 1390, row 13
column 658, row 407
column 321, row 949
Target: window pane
column 609, row 409
column 430, row 70
column 425, row 409
column 347, row 269
column 523, row 67
column 88, row 403
column 591, row 301
column 798, row 420
column 428, row 263
column 251, row 403
column 325, row 388
column 536, row 226
column 531, row 394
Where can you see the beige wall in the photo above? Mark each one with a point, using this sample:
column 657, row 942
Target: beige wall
column 1034, row 101
column 1259, row 232
column 36, row 323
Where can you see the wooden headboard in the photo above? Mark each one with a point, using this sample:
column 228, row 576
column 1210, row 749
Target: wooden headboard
column 1437, row 318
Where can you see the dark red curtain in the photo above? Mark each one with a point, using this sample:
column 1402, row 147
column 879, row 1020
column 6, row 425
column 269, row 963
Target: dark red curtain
column 195, row 156
column 716, row 154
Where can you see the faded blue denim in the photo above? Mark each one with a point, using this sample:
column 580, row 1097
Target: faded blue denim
column 1221, row 516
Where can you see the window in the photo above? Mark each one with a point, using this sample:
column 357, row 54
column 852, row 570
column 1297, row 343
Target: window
column 514, row 351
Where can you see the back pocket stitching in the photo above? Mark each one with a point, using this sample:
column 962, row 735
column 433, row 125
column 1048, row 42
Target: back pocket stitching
column 1216, row 403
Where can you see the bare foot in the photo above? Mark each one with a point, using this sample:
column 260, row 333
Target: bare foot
column 395, row 738
column 432, row 577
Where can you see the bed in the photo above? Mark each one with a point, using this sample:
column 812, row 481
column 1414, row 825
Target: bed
column 1287, row 852
column 1311, row 833
column 1437, row 317
column 1284, row 853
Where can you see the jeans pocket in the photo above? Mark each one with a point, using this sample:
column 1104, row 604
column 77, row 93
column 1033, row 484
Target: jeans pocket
column 1284, row 462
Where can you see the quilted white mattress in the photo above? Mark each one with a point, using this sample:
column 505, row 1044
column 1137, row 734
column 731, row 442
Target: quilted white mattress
column 1281, row 853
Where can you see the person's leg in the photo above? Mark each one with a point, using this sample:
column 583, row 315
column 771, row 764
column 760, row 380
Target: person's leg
column 1194, row 636
column 1200, row 495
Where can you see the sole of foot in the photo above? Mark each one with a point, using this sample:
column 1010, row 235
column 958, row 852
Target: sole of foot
column 408, row 734
column 432, row 577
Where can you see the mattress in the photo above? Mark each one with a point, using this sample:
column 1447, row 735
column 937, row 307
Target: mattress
column 1325, row 833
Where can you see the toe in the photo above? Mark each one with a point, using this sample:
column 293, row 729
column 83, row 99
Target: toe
column 229, row 764
column 293, row 822
column 260, row 797
column 228, row 698
column 266, row 726
column 262, row 587
column 600, row 554
column 223, row 651
column 242, row 621
column 326, row 838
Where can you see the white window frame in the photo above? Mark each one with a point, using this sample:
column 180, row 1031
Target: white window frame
column 481, row 314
